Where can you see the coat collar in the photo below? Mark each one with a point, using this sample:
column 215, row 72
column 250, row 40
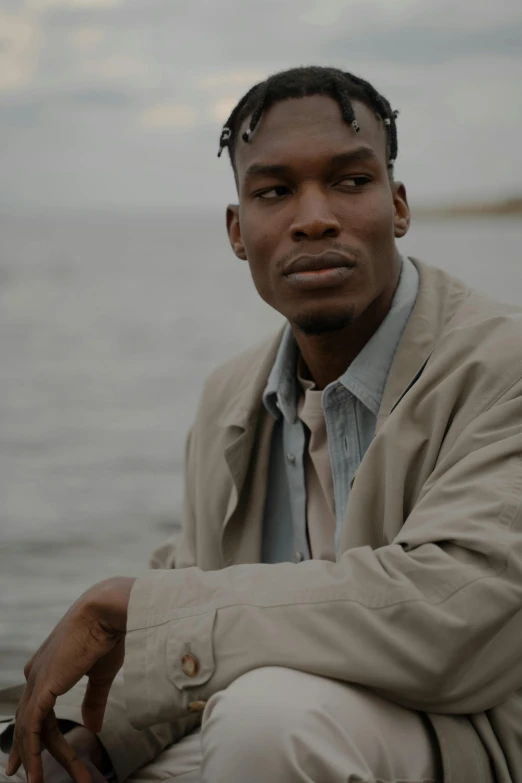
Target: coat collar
column 438, row 299
column 243, row 404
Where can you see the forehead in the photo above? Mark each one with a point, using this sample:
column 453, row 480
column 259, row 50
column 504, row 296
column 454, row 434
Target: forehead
column 306, row 129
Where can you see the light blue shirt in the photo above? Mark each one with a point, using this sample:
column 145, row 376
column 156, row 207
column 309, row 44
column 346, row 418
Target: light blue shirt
column 350, row 405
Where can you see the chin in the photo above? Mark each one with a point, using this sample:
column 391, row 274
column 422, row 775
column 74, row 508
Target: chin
column 321, row 323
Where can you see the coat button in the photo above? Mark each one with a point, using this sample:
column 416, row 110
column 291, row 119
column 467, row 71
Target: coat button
column 190, row 665
column 197, row 706
column 298, row 557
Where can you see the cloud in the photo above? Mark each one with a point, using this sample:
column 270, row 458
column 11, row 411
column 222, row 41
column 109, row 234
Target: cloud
column 86, row 38
column 357, row 16
column 167, row 116
column 241, row 78
column 72, row 101
column 86, row 85
column 19, row 39
column 70, row 5
column 122, row 68
column 222, row 108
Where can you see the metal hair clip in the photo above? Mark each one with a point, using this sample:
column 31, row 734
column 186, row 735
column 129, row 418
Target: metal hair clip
column 226, row 133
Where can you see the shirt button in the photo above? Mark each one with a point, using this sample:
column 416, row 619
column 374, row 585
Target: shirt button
column 298, row 557
column 196, row 706
column 290, row 458
column 190, row 665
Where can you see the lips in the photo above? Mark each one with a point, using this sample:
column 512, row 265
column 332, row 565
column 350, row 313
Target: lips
column 315, row 263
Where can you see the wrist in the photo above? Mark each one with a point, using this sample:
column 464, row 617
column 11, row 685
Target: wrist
column 109, row 602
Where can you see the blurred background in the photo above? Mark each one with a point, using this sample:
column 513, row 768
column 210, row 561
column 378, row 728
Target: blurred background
column 118, row 291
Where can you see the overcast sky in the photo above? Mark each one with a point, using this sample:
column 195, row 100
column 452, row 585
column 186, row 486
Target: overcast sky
column 119, row 103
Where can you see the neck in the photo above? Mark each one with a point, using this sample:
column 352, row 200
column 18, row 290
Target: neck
column 327, row 356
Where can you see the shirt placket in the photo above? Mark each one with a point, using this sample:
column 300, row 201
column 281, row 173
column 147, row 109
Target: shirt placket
column 343, row 447
column 294, row 442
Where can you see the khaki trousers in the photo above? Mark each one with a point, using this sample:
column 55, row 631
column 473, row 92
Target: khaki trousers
column 275, row 724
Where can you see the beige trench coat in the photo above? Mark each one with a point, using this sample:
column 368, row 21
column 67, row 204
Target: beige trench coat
column 423, row 605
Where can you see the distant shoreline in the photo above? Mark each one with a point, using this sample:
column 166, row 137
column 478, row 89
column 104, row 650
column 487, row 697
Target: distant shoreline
column 509, row 206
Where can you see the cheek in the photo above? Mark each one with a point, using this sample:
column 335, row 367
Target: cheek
column 257, row 232
column 373, row 223
column 261, row 246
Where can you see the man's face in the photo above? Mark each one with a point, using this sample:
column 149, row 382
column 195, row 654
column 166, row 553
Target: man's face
column 309, row 185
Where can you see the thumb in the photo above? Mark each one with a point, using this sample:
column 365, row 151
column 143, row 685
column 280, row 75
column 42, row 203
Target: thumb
column 101, row 677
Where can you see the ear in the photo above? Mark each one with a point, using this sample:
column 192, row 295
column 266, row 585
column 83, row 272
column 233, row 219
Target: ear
column 234, row 231
column 402, row 210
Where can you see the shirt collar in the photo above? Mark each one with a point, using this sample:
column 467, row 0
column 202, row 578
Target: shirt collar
column 279, row 396
column 366, row 376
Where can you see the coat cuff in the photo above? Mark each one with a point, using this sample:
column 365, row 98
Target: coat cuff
column 169, row 655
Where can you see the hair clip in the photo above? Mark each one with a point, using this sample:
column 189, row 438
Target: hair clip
column 355, row 126
column 226, row 133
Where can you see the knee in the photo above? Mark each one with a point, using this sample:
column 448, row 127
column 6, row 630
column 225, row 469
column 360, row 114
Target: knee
column 255, row 722
column 258, row 704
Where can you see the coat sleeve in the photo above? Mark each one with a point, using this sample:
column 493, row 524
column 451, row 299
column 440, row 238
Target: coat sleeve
column 432, row 621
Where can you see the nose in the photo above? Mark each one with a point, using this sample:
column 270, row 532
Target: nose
column 314, row 218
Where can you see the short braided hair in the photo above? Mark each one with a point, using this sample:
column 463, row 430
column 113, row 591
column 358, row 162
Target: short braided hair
column 342, row 86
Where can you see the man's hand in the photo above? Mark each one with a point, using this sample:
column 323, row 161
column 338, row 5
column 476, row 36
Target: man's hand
column 88, row 640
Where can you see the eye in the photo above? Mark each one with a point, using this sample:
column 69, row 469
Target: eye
column 272, row 193
column 354, row 182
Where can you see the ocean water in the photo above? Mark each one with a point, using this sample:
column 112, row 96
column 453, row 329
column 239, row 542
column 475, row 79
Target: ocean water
column 108, row 326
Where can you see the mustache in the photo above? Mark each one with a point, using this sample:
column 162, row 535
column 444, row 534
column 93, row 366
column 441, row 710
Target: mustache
column 352, row 253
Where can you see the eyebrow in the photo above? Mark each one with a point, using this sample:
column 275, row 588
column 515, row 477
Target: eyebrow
column 361, row 154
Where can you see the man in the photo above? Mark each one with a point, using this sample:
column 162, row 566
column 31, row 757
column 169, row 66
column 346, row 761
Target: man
column 345, row 600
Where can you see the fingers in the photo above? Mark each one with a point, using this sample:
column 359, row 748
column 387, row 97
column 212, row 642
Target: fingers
column 101, row 677
column 65, row 754
column 93, row 707
column 27, row 744
column 16, row 755
column 28, row 755
column 14, row 762
column 27, row 669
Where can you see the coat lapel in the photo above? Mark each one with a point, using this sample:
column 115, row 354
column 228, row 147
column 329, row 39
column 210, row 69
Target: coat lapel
column 246, row 424
column 438, row 297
